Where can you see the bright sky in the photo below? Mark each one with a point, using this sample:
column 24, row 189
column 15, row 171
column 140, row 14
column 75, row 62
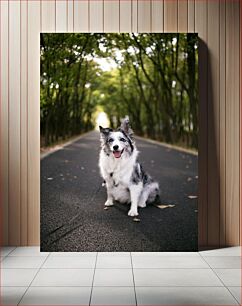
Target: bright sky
column 102, row 119
column 107, row 64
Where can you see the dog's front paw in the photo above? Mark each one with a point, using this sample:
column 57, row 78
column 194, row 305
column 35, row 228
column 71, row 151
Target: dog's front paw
column 133, row 212
column 108, row 203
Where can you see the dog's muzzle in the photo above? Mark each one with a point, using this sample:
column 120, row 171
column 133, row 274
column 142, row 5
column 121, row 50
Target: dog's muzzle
column 117, row 154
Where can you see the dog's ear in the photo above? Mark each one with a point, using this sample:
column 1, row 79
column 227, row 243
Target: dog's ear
column 104, row 131
column 101, row 128
column 125, row 126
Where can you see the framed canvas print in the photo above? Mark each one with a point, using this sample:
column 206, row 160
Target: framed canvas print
column 119, row 142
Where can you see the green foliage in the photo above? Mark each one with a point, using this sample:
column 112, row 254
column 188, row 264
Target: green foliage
column 154, row 80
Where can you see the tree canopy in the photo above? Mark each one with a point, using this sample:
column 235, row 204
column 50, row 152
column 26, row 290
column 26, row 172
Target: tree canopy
column 152, row 78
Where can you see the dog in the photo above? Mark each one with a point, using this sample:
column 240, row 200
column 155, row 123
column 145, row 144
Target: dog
column 124, row 177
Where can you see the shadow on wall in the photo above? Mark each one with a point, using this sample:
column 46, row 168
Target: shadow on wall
column 209, row 160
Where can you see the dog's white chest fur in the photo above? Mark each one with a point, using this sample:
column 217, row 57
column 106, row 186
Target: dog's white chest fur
column 117, row 173
column 119, row 170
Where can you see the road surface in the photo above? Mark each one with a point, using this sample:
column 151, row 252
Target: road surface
column 72, row 202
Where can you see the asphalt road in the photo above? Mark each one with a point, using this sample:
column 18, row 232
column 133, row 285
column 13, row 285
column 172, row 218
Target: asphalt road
column 72, row 202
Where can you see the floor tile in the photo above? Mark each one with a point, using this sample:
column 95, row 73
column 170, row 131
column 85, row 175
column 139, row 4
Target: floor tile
column 119, row 254
column 175, row 277
column 11, row 295
column 230, row 277
column 113, row 277
column 4, row 251
column 231, row 262
column 17, row 277
column 113, row 296
column 230, row 251
column 165, row 254
column 169, row 262
column 64, row 277
column 28, row 251
column 73, row 254
column 57, row 296
column 184, row 296
column 23, row 262
column 70, row 262
column 114, row 262
column 236, row 292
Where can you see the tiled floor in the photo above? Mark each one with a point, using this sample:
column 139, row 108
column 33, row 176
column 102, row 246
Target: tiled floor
column 29, row 277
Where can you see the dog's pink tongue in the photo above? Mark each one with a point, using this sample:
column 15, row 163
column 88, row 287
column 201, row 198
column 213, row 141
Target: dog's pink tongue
column 117, row 154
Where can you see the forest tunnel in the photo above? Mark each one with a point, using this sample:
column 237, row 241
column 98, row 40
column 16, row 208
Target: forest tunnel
column 97, row 79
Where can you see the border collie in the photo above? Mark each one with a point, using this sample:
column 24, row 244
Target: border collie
column 123, row 175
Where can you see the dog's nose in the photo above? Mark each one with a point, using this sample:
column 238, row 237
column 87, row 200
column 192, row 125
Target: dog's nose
column 115, row 147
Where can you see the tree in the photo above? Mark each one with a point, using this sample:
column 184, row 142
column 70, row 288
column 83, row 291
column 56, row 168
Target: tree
column 153, row 79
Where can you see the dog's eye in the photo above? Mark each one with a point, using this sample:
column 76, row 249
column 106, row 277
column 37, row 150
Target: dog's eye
column 110, row 140
column 123, row 139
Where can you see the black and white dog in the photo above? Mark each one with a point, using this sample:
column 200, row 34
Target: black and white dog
column 125, row 179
